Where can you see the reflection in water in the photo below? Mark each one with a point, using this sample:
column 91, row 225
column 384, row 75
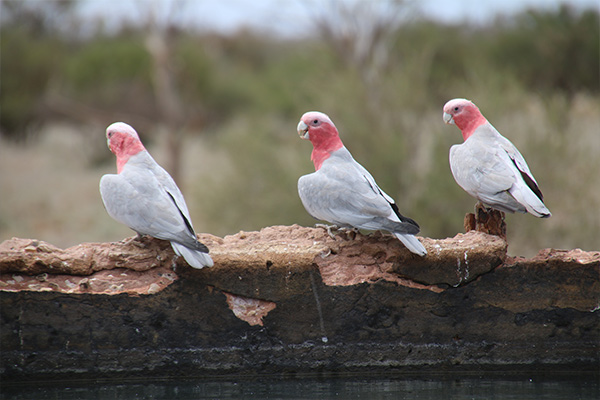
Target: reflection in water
column 561, row 387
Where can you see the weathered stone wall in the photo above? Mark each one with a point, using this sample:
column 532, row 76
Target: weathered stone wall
column 292, row 299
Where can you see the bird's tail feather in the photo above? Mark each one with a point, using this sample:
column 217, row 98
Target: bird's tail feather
column 530, row 201
column 194, row 258
column 412, row 243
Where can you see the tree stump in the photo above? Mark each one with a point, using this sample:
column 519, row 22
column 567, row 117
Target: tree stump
column 486, row 220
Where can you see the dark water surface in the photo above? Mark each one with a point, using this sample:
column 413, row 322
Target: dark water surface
column 568, row 387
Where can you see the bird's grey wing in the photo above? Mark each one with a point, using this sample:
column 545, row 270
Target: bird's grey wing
column 517, row 161
column 347, row 199
column 163, row 177
column 136, row 200
column 328, row 200
column 170, row 187
column 481, row 171
column 396, row 216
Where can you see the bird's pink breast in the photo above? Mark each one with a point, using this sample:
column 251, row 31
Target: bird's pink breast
column 320, row 154
column 325, row 141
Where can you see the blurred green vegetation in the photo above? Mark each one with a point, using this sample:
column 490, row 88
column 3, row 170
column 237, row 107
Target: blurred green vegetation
column 244, row 93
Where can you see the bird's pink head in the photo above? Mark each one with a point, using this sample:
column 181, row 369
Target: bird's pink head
column 322, row 133
column 465, row 115
column 124, row 142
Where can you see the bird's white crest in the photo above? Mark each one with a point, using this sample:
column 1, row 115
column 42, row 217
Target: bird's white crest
column 122, row 127
column 457, row 101
column 315, row 115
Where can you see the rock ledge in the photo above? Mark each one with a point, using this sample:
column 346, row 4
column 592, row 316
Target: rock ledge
column 294, row 299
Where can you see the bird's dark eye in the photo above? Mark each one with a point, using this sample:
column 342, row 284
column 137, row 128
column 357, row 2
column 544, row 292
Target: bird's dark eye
column 455, row 108
column 110, row 134
column 315, row 122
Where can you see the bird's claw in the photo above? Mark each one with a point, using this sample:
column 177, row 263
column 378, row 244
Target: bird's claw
column 349, row 232
column 137, row 241
column 480, row 206
column 329, row 229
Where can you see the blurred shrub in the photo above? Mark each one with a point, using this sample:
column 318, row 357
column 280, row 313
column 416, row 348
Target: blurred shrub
column 550, row 50
column 32, row 53
column 27, row 67
column 110, row 73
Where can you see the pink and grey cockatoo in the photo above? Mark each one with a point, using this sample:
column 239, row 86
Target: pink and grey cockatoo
column 143, row 196
column 488, row 166
column 343, row 192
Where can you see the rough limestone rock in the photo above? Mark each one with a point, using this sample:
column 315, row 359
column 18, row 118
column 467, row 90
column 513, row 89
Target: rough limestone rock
column 290, row 299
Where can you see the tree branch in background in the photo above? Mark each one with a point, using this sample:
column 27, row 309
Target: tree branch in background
column 159, row 43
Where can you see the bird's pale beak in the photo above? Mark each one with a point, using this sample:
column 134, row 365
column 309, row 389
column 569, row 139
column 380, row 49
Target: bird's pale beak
column 302, row 130
column 448, row 119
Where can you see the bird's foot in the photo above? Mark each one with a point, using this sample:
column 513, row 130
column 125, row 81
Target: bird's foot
column 482, row 208
column 138, row 241
column 329, row 229
column 350, row 233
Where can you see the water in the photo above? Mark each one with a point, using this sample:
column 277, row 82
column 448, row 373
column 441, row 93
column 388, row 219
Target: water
column 561, row 387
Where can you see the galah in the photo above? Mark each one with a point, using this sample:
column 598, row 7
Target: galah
column 488, row 166
column 143, row 196
column 343, row 192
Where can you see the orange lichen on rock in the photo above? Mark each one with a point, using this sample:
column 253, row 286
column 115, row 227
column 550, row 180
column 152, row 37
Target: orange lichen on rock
column 250, row 310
